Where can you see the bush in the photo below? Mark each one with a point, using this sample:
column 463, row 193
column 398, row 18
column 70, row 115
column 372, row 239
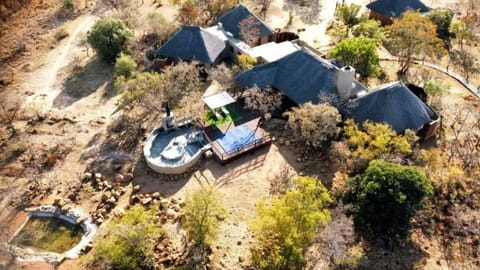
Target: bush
column 360, row 53
column 384, row 199
column 287, row 225
column 245, row 61
column 202, row 210
column 108, row 37
column 68, row 4
column 315, row 124
column 60, row 34
column 129, row 242
column 125, row 65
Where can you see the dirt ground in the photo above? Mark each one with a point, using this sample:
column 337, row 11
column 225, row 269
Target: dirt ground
column 64, row 82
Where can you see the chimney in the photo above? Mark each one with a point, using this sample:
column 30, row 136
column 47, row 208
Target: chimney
column 345, row 83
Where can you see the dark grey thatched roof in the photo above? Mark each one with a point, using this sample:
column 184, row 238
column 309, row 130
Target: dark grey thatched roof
column 393, row 104
column 395, row 8
column 231, row 19
column 193, row 43
column 302, row 76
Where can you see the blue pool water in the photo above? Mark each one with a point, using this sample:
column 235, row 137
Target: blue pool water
column 236, row 138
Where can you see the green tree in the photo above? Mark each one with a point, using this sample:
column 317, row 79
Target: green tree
column 314, row 123
column 350, row 15
column 108, row 37
column 360, row 53
column 374, row 140
column 129, row 241
column 412, row 36
column 202, row 210
column 370, row 29
column 442, row 18
column 287, row 224
column 462, row 32
column 384, row 199
column 125, row 65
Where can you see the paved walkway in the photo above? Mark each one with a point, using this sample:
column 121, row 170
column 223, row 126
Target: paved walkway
column 456, row 76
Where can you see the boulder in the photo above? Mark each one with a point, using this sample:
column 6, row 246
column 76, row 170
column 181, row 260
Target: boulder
column 136, row 188
column 156, row 195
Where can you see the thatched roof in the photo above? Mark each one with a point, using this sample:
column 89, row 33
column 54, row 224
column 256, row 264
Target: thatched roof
column 231, row 19
column 302, row 76
column 193, row 43
column 396, row 8
column 393, row 104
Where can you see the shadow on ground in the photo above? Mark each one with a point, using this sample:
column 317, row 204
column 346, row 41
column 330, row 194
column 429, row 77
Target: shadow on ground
column 405, row 256
column 84, row 82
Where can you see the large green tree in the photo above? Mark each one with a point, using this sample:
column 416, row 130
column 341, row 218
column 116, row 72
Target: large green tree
column 384, row 199
column 360, row 53
column 108, row 37
column 287, row 224
column 413, row 36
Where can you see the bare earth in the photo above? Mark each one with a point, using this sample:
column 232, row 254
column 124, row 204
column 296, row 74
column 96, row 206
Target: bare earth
column 68, row 82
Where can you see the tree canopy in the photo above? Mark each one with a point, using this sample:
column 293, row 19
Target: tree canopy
column 314, row 123
column 360, row 53
column 412, row 36
column 108, row 37
column 130, row 241
column 384, row 199
column 287, row 224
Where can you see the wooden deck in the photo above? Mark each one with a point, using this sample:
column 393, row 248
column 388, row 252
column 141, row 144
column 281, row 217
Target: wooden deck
column 224, row 156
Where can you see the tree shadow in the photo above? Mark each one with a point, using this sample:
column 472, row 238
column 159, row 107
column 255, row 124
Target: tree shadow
column 405, row 255
column 84, row 82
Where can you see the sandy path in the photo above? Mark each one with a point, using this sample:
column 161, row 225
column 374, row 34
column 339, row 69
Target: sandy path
column 43, row 82
column 314, row 34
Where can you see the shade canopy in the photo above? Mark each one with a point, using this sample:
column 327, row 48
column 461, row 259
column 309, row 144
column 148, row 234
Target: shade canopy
column 218, row 100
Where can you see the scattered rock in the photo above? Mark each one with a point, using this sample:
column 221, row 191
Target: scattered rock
column 146, row 201
column 156, row 195
column 136, row 188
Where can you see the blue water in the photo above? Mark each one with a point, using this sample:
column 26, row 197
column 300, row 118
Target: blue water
column 236, row 138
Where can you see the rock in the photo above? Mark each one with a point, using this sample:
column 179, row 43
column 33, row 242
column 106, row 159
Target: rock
column 127, row 177
column 87, row 247
column 136, row 188
column 163, row 203
column 171, row 214
column 119, row 178
column 241, row 259
column 116, row 194
column 111, row 200
column 88, row 176
column 156, row 195
column 281, row 141
column 287, row 143
column 220, row 217
column 119, row 212
column 99, row 221
column 98, row 176
column 173, row 200
column 146, row 201
column 106, row 196
column 58, row 202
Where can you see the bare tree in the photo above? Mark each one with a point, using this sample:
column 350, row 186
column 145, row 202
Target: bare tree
column 249, row 30
column 223, row 75
column 265, row 4
column 8, row 114
column 263, row 100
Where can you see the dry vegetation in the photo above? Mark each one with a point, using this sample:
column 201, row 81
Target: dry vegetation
column 69, row 135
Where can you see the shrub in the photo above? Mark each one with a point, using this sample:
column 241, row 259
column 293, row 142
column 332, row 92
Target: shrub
column 245, row 61
column 384, row 199
column 129, row 242
column 315, row 124
column 68, row 4
column 60, row 34
column 108, row 37
column 125, row 65
column 202, row 210
column 13, row 151
column 287, row 224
